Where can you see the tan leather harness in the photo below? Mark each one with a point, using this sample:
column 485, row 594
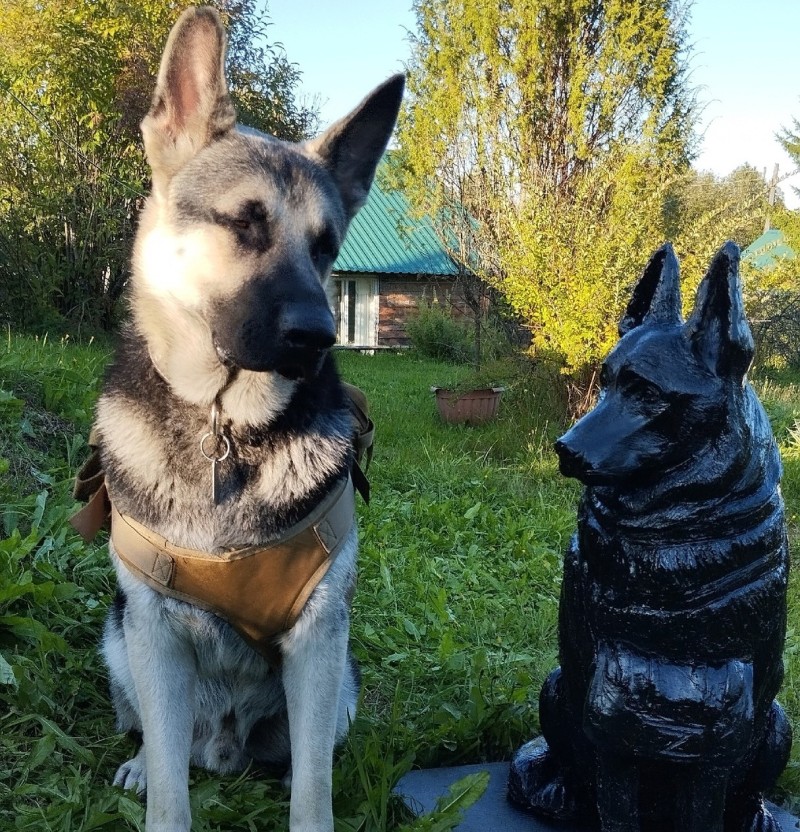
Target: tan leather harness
column 259, row 590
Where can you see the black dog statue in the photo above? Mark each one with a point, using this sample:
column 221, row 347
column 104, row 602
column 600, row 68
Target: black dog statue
column 672, row 617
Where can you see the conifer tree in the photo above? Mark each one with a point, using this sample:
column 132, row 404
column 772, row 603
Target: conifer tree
column 546, row 137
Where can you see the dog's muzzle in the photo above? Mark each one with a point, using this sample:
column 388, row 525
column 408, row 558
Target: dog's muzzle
column 292, row 339
column 303, row 342
column 570, row 462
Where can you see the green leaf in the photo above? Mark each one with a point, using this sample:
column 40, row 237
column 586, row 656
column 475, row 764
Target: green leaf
column 97, row 820
column 42, row 749
column 470, row 513
column 66, row 742
column 7, row 676
column 464, row 792
column 411, row 628
column 450, row 808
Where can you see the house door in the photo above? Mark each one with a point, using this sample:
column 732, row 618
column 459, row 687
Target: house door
column 358, row 311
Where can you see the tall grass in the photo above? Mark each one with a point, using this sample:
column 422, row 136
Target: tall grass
column 454, row 620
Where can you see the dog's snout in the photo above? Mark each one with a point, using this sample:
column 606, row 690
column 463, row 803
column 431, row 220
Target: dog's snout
column 305, row 332
column 308, row 329
column 570, row 462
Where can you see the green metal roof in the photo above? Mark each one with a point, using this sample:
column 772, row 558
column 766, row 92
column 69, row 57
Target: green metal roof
column 384, row 238
column 769, row 248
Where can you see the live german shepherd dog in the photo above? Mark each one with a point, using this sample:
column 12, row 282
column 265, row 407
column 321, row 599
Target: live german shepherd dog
column 662, row 715
column 229, row 313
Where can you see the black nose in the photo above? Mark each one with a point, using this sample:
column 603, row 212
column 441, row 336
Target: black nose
column 570, row 462
column 307, row 328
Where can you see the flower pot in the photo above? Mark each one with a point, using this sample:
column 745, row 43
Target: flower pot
column 474, row 407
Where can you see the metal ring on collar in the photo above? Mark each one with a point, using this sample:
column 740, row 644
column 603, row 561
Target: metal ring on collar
column 216, row 437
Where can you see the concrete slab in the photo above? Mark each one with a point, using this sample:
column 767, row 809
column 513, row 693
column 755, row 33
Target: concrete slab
column 421, row 790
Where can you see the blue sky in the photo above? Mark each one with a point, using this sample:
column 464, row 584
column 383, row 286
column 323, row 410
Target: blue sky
column 746, row 63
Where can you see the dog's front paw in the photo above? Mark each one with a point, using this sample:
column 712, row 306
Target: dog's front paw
column 132, row 775
column 754, row 818
column 536, row 783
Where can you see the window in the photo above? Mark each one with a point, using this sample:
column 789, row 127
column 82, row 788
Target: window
column 358, row 311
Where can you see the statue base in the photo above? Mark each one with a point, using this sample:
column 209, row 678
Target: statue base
column 421, row 789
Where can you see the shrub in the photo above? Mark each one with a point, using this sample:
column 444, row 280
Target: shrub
column 435, row 334
column 775, row 321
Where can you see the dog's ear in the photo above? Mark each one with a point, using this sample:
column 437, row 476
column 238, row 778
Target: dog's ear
column 657, row 294
column 191, row 105
column 718, row 328
column 352, row 147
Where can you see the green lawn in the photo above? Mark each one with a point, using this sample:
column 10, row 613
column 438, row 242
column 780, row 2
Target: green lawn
column 454, row 619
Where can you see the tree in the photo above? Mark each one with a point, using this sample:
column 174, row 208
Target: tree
column 703, row 210
column 76, row 77
column 772, row 294
column 736, row 205
column 558, row 128
column 789, row 137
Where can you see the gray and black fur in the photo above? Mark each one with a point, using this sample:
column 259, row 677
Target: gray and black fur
column 233, row 252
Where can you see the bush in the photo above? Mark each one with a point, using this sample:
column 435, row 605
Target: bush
column 775, row 321
column 435, row 334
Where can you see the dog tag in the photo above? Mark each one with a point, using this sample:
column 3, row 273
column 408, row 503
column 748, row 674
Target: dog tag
column 214, row 483
column 219, row 452
column 215, row 461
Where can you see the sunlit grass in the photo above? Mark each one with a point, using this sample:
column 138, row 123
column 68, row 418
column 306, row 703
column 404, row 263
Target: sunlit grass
column 454, row 620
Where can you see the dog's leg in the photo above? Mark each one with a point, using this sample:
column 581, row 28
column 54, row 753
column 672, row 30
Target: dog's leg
column 164, row 673
column 617, row 793
column 746, row 811
column 313, row 670
column 700, row 805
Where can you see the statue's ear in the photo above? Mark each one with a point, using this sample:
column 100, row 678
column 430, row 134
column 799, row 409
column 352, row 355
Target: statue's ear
column 718, row 329
column 191, row 105
column 657, row 294
column 352, row 147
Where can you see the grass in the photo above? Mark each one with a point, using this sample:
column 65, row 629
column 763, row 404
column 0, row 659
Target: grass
column 454, row 620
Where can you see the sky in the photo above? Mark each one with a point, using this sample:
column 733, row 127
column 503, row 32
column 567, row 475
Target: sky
column 746, row 63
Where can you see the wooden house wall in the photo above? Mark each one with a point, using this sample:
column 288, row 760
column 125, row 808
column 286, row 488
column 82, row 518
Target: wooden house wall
column 400, row 297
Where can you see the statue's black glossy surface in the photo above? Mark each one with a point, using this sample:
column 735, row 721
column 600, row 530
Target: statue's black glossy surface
column 673, row 608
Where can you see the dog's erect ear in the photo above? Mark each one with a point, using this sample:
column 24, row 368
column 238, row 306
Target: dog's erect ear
column 657, row 295
column 718, row 328
column 191, row 106
column 352, row 147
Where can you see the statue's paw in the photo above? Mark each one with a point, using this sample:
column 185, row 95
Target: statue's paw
column 536, row 783
column 759, row 819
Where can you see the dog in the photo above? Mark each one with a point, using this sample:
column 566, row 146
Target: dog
column 221, row 425
column 672, row 618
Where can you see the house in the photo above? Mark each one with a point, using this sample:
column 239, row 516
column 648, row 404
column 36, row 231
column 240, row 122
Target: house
column 389, row 263
column 765, row 252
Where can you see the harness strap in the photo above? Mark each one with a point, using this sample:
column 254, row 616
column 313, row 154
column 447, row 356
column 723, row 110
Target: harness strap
column 287, row 571
column 90, row 488
column 363, row 437
column 364, row 427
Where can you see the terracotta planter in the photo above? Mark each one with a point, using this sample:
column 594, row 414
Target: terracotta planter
column 474, row 407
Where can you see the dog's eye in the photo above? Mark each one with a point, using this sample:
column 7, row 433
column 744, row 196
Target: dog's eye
column 633, row 385
column 651, row 393
column 646, row 392
column 323, row 248
column 250, row 214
